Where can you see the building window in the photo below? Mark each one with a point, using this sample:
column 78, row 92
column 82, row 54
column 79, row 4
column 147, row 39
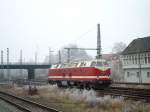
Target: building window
column 137, row 74
column 142, row 58
column 132, row 59
column 125, row 60
column 145, row 58
column 128, row 74
column 129, row 59
column 148, row 74
column 135, row 59
column 148, row 58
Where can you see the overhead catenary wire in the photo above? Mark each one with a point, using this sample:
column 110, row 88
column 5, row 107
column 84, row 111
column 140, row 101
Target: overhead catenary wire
column 83, row 35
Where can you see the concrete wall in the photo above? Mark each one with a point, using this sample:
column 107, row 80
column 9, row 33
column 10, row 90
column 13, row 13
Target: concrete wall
column 130, row 75
column 145, row 78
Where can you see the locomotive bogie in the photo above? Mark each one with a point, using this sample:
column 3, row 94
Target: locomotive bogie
column 81, row 84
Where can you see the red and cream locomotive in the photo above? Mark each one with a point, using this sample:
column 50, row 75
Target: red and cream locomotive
column 85, row 74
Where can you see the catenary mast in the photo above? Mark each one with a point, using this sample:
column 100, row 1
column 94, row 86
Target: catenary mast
column 99, row 55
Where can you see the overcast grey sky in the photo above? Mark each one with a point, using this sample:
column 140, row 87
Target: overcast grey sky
column 36, row 25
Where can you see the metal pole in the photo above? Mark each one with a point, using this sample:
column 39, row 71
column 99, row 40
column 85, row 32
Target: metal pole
column 49, row 55
column 2, row 62
column 59, row 57
column 7, row 56
column 20, row 61
column 36, row 57
column 68, row 60
column 20, row 57
column 8, row 71
column 140, row 74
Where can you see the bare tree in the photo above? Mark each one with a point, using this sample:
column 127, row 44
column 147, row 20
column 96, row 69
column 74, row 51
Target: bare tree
column 118, row 47
column 117, row 71
column 75, row 54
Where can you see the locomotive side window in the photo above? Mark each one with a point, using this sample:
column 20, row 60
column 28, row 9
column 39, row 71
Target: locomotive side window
column 56, row 66
column 82, row 64
column 74, row 64
column 63, row 66
column 93, row 64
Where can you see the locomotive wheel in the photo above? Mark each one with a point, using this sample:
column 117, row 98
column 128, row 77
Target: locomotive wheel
column 69, row 84
column 88, row 87
column 80, row 86
column 59, row 84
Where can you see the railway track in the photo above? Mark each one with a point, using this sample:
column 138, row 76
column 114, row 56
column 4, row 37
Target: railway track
column 25, row 105
column 131, row 83
column 129, row 93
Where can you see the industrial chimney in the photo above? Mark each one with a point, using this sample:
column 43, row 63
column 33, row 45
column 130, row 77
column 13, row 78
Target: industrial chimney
column 99, row 55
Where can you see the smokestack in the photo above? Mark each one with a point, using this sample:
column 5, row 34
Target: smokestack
column 99, row 55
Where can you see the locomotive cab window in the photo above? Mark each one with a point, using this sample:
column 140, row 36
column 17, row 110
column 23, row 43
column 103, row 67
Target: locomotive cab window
column 96, row 63
column 82, row 64
column 99, row 63
column 105, row 64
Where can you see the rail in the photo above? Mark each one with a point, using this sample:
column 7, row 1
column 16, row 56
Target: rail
column 25, row 105
column 129, row 93
column 131, row 83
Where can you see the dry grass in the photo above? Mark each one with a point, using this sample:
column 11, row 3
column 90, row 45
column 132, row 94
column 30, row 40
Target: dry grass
column 74, row 100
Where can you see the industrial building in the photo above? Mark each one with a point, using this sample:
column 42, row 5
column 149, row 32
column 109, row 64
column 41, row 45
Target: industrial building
column 136, row 61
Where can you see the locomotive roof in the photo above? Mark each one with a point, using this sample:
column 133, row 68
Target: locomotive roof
column 77, row 64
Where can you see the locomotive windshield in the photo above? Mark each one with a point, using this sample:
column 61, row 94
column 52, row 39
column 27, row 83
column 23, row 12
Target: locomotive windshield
column 99, row 63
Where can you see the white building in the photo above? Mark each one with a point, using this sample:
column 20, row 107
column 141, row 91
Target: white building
column 136, row 61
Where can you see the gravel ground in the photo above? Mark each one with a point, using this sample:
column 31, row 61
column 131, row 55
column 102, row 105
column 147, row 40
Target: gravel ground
column 5, row 107
column 74, row 100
